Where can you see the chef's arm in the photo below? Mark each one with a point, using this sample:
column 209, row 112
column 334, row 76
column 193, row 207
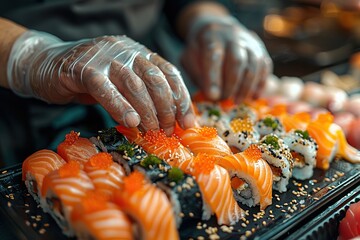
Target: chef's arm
column 9, row 32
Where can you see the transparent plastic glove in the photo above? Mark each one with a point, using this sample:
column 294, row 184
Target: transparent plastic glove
column 225, row 59
column 136, row 86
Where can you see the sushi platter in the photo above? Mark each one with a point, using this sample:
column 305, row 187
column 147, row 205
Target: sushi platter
column 309, row 173
column 291, row 210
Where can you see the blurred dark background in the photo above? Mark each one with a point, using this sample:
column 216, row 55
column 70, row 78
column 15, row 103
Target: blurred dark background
column 302, row 37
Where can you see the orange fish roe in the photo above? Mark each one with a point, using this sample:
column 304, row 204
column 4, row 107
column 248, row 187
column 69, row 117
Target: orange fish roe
column 94, row 201
column 239, row 125
column 134, row 182
column 227, row 104
column 70, row 169
column 159, row 138
column 204, row 163
column 236, row 182
column 252, row 152
column 71, row 137
column 101, row 160
column 208, row 132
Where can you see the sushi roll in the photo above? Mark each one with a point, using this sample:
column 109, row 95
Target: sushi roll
column 105, row 174
column 156, row 142
column 203, row 140
column 269, row 124
column 36, row 166
column 239, row 134
column 278, row 156
column 243, row 111
column 76, row 148
column 148, row 206
column 215, row 187
column 62, row 189
column 303, row 149
column 97, row 218
column 251, row 177
column 184, row 194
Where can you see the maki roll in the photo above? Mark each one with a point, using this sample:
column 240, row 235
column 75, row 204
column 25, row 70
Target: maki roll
column 76, row 148
column 36, row 166
column 269, row 125
column 251, row 177
column 97, row 218
column 303, row 149
column 156, row 142
column 148, row 206
column 62, row 189
column 184, row 194
column 105, row 174
column 278, row 156
column 215, row 187
column 203, row 140
column 239, row 134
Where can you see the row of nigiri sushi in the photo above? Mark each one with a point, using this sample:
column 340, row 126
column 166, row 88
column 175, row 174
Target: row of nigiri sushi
column 101, row 188
column 245, row 124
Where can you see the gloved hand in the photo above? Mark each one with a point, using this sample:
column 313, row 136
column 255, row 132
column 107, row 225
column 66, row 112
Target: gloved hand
column 225, row 59
column 135, row 85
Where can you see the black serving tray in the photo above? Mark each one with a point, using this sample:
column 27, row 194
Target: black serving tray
column 289, row 211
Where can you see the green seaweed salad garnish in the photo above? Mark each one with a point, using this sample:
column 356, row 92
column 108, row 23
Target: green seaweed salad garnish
column 273, row 141
column 214, row 112
column 175, row 174
column 303, row 134
column 150, row 160
column 127, row 148
column 269, row 122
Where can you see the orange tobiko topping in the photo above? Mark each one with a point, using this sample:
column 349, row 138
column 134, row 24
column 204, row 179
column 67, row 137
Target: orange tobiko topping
column 208, row 132
column 236, row 182
column 94, row 201
column 134, row 182
column 227, row 104
column 159, row 138
column 71, row 137
column 70, row 169
column 240, row 125
column 101, row 160
column 204, row 163
column 252, row 152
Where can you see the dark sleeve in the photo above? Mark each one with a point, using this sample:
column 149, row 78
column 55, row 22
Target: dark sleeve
column 172, row 9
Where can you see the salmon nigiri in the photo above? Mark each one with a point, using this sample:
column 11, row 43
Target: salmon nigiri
column 251, row 177
column 203, row 140
column 36, row 167
column 105, row 174
column 76, row 148
column 62, row 189
column 215, row 186
column 156, row 142
column 97, row 218
column 148, row 206
column 331, row 141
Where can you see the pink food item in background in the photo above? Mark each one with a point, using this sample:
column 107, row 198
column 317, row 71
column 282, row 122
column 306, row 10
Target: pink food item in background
column 353, row 136
column 353, row 105
column 344, row 119
column 276, row 100
column 315, row 94
column 349, row 227
column 314, row 112
column 291, row 87
column 298, row 106
column 336, row 99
